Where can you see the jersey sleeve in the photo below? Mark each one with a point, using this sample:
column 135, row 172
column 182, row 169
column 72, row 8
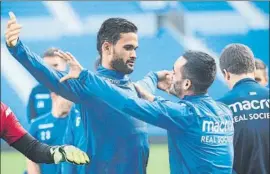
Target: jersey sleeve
column 164, row 114
column 46, row 75
column 12, row 129
column 149, row 82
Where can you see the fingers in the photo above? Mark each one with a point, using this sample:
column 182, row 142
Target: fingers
column 11, row 22
column 169, row 77
column 12, row 15
column 70, row 56
column 86, row 158
column 76, row 156
column 65, row 78
column 62, row 55
column 14, row 27
column 167, row 72
column 80, row 157
column 12, row 40
column 162, row 74
column 69, row 154
column 13, row 32
column 65, row 55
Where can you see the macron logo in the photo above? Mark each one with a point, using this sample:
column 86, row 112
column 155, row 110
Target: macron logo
column 217, row 126
column 248, row 105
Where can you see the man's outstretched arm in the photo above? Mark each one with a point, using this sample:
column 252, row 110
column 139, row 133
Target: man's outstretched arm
column 161, row 113
column 44, row 73
column 149, row 82
column 35, row 65
column 153, row 80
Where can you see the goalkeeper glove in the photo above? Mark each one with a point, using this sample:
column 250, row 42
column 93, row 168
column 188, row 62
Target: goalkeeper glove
column 70, row 154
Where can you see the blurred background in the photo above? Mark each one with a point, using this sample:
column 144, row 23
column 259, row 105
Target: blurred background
column 166, row 30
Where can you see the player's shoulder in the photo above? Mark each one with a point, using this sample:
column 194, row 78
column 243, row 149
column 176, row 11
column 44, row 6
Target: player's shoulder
column 227, row 96
column 263, row 89
column 181, row 107
column 224, row 107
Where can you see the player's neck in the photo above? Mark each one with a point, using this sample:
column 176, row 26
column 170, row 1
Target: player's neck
column 107, row 66
column 237, row 78
column 106, row 63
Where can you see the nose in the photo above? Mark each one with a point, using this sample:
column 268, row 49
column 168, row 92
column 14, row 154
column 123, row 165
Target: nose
column 133, row 54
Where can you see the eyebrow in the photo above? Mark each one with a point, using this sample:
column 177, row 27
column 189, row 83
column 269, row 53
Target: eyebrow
column 258, row 79
column 130, row 45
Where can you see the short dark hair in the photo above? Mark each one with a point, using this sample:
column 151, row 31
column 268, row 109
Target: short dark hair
column 111, row 29
column 50, row 52
column 259, row 64
column 237, row 59
column 200, row 69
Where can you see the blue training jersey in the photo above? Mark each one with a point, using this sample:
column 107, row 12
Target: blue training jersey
column 50, row 130
column 39, row 102
column 120, row 142
column 75, row 135
column 249, row 102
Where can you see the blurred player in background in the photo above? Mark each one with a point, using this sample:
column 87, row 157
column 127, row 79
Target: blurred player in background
column 75, row 135
column 249, row 102
column 39, row 102
column 200, row 130
column 121, row 142
column 261, row 72
column 16, row 136
column 50, row 129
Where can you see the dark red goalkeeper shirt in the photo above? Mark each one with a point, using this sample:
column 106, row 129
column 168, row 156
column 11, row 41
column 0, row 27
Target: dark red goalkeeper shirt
column 10, row 130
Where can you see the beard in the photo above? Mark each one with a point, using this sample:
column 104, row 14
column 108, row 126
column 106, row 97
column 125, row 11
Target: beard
column 176, row 89
column 119, row 64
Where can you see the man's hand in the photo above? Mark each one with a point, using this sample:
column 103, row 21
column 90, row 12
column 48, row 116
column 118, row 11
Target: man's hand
column 13, row 30
column 70, row 154
column 74, row 66
column 143, row 93
column 164, row 80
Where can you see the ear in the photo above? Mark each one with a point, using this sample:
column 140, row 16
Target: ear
column 107, row 48
column 226, row 74
column 187, row 84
